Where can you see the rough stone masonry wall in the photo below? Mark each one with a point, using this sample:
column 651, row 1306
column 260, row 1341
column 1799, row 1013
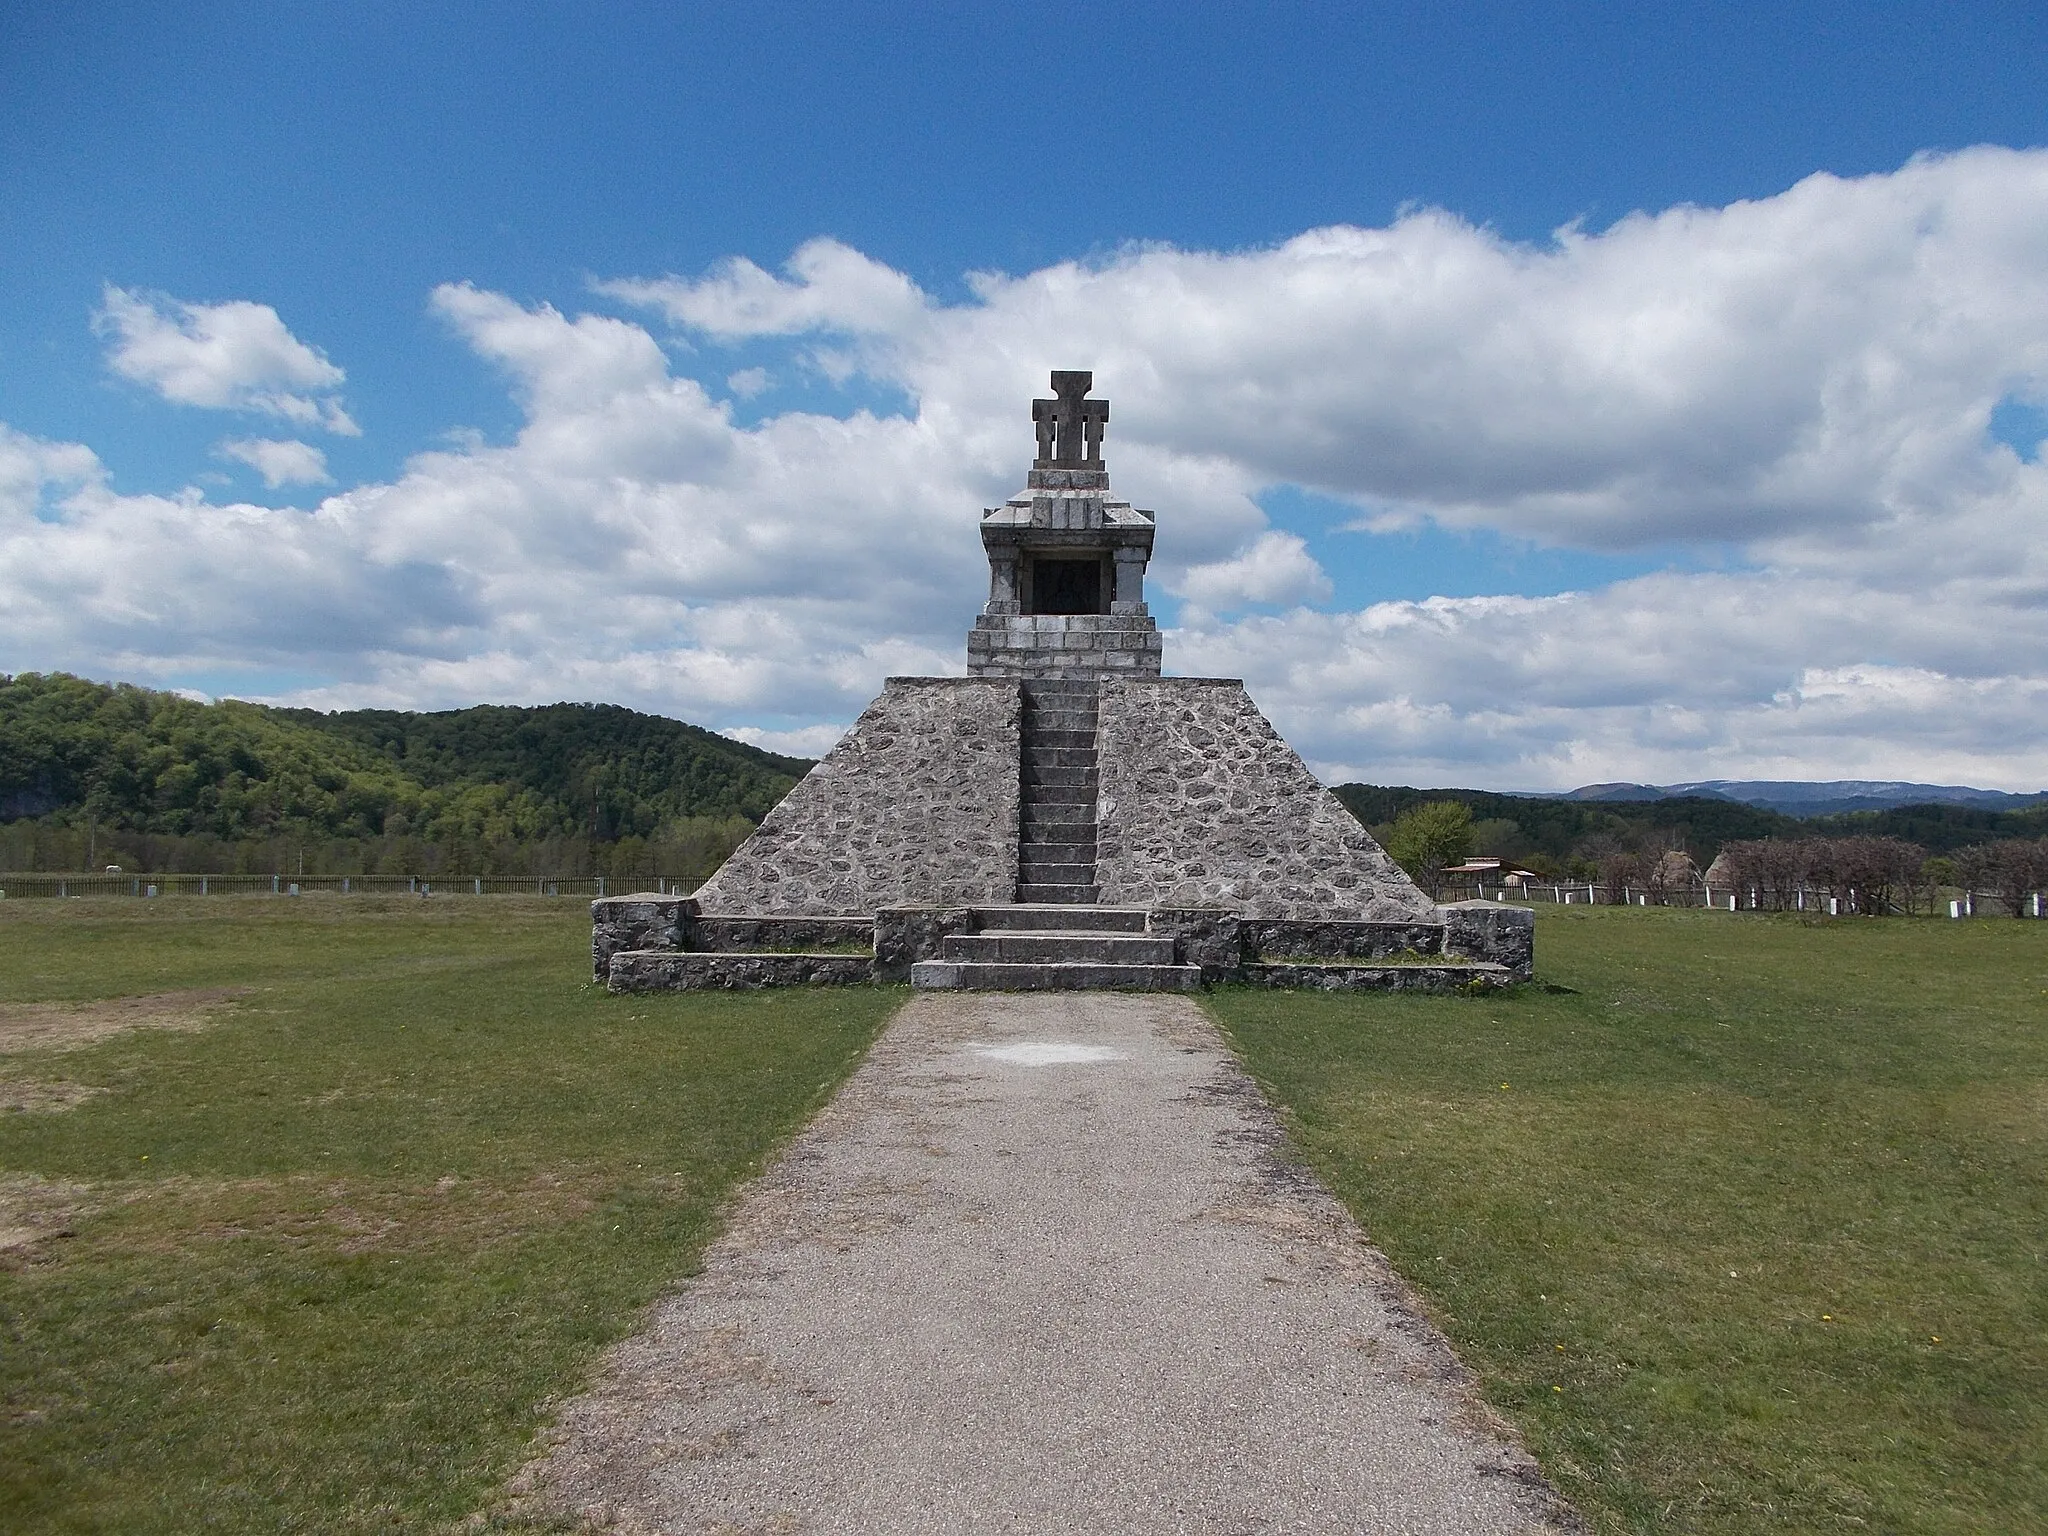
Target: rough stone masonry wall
column 1201, row 804
column 916, row 806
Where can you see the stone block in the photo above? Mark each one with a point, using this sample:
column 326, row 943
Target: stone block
column 1492, row 930
column 1208, row 937
column 644, row 920
column 906, row 935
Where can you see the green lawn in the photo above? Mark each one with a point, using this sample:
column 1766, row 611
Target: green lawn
column 1745, row 1229
column 1743, row 1221
column 331, row 1258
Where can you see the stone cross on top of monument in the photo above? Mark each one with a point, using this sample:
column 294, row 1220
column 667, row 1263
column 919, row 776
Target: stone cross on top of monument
column 1070, row 428
column 1066, row 561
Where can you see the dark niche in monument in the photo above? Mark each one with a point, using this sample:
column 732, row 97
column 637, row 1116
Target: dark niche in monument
column 1066, row 587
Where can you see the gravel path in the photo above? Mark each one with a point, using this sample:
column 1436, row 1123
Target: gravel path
column 1037, row 1268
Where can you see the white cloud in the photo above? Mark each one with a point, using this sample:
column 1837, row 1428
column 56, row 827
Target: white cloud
column 831, row 287
column 1274, row 568
column 806, row 741
column 233, row 356
column 1805, row 380
column 283, row 461
column 748, row 382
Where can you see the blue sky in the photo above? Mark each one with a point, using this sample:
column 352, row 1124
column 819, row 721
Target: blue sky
column 338, row 167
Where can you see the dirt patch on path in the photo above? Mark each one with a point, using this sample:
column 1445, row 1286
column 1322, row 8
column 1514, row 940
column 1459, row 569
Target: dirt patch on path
column 67, row 1026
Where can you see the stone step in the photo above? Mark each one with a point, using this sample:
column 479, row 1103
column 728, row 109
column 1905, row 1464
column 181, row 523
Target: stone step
column 1037, row 851
column 1058, row 757
column 1038, row 720
column 1059, row 794
column 1025, row 917
column 1060, row 688
column 1072, row 740
column 1061, row 876
column 1073, row 976
column 1057, row 773
column 1054, row 812
column 1056, row 874
column 1078, row 895
column 1056, row 832
column 1055, row 945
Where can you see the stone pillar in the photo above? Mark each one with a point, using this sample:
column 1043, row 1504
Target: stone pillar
column 1002, row 583
column 1130, row 581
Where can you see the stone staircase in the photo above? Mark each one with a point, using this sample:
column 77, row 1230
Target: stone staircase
column 1056, row 830
column 1059, row 946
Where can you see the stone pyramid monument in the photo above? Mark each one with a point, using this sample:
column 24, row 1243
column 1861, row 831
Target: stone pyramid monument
column 1064, row 815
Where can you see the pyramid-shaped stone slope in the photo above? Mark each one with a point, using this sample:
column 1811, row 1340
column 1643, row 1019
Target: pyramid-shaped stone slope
column 916, row 806
column 1198, row 803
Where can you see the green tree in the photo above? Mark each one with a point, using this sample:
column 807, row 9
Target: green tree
column 1428, row 837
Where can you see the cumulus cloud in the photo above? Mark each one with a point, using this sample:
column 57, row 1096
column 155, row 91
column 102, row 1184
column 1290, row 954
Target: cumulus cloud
column 1804, row 382
column 233, row 356
column 280, row 461
column 1274, row 568
column 829, row 287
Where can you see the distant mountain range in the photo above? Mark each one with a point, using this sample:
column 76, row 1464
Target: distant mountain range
column 1832, row 797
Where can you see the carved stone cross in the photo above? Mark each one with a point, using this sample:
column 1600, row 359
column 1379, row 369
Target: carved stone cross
column 1070, row 428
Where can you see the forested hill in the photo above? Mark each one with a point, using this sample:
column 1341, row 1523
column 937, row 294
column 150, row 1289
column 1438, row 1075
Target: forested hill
column 1564, row 835
column 132, row 759
column 613, row 771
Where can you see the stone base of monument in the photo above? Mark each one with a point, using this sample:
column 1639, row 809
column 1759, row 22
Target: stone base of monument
column 656, row 943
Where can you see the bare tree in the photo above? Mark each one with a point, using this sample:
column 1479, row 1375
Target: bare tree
column 2013, row 870
column 1620, row 869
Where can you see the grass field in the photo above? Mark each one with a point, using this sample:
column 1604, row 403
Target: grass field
column 1744, row 1225
column 1746, row 1229
column 316, row 1256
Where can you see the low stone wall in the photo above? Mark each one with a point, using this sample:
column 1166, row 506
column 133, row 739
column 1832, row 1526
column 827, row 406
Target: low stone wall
column 1279, row 938
column 917, row 804
column 689, row 971
column 643, row 920
column 906, row 935
column 1376, row 978
column 1492, row 930
column 1201, row 804
column 725, row 932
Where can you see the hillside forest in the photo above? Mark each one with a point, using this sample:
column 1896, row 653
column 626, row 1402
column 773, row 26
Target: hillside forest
column 95, row 773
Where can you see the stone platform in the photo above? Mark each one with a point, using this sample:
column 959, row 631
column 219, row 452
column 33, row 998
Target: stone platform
column 646, row 943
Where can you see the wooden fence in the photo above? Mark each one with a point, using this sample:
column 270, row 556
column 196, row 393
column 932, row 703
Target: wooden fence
column 13, row 886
